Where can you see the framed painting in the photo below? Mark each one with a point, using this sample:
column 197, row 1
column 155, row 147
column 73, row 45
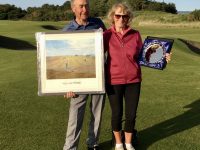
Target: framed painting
column 153, row 52
column 70, row 61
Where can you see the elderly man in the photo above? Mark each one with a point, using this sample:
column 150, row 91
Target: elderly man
column 82, row 21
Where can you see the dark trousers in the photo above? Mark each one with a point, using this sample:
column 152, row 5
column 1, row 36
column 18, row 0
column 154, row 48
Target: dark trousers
column 116, row 93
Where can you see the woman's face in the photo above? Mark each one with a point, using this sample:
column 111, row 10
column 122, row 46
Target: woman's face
column 120, row 19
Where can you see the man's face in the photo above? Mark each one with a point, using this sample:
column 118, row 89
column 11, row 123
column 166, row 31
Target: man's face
column 81, row 9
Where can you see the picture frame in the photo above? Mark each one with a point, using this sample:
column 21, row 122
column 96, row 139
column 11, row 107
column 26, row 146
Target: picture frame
column 153, row 52
column 70, row 61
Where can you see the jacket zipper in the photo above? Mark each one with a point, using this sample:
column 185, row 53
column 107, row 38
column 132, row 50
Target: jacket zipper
column 124, row 55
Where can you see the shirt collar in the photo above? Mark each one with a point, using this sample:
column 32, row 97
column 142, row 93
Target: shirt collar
column 76, row 25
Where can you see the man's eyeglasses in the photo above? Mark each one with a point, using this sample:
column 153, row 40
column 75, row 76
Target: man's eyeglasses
column 124, row 17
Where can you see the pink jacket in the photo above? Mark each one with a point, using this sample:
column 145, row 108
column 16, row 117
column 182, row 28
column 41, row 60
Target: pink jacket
column 123, row 51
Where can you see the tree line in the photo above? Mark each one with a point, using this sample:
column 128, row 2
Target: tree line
column 98, row 8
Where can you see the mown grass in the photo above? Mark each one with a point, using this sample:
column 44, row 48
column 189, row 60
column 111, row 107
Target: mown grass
column 168, row 113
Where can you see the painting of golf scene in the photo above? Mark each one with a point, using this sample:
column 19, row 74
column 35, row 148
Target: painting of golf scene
column 69, row 59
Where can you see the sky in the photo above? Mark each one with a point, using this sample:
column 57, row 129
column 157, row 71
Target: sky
column 31, row 3
column 70, row 47
column 184, row 5
column 181, row 5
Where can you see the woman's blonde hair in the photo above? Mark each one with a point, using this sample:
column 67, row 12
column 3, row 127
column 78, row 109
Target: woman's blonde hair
column 125, row 9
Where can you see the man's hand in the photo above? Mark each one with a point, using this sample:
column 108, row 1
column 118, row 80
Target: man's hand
column 70, row 95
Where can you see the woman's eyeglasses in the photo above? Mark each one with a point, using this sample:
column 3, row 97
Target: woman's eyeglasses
column 124, row 17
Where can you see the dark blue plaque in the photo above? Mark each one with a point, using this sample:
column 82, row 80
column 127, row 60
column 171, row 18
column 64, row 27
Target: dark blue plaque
column 153, row 52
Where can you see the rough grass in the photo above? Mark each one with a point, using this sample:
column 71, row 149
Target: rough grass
column 157, row 18
column 162, row 19
column 168, row 115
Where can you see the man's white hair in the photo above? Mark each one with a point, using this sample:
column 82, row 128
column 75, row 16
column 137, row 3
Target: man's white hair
column 72, row 2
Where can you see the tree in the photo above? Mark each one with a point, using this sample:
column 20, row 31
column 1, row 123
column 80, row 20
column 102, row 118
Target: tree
column 137, row 4
column 194, row 15
column 11, row 12
column 157, row 6
column 171, row 8
column 66, row 5
column 98, row 8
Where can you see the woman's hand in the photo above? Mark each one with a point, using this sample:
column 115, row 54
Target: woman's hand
column 70, row 95
column 168, row 57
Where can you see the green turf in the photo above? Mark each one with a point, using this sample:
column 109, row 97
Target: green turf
column 168, row 114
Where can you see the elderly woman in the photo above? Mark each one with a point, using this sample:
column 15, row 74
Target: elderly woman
column 123, row 73
column 123, row 45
